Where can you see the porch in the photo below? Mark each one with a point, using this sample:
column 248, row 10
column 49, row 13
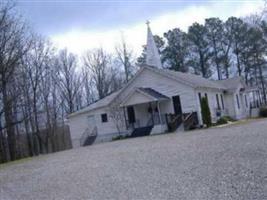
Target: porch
column 145, row 109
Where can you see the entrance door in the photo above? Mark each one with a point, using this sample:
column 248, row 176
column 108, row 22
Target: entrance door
column 131, row 114
column 177, row 105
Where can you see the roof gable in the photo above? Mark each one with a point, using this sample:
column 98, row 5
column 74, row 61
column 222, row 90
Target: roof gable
column 136, row 97
column 187, row 79
column 143, row 95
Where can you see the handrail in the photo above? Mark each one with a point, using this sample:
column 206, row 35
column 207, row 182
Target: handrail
column 174, row 122
column 188, row 116
column 175, row 118
column 190, row 121
column 89, row 132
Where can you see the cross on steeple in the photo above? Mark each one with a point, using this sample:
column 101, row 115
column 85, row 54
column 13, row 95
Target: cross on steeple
column 147, row 22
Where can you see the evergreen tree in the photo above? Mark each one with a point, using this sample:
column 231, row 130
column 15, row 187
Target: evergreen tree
column 175, row 55
column 214, row 27
column 238, row 30
column 256, row 55
column 205, row 111
column 200, row 50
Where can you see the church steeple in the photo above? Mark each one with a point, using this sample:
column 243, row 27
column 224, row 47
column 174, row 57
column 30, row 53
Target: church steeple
column 152, row 52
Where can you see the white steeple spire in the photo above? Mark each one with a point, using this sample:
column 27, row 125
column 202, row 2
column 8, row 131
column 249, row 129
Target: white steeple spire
column 152, row 52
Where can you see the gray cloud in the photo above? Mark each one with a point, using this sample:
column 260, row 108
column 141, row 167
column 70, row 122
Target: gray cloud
column 51, row 17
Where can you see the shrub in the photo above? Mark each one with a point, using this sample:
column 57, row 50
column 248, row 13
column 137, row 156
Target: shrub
column 263, row 112
column 119, row 137
column 205, row 111
column 230, row 119
column 222, row 120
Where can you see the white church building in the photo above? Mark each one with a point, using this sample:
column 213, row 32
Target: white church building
column 158, row 100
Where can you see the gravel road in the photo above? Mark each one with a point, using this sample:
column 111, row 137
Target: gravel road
column 217, row 163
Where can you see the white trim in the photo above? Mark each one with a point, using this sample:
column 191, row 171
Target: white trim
column 133, row 92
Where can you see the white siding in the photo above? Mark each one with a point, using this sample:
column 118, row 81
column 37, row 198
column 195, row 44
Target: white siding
column 79, row 123
column 230, row 105
column 166, row 86
column 242, row 111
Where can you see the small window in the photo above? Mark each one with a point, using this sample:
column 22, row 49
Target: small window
column 218, row 103
column 206, row 95
column 199, row 97
column 222, row 101
column 237, row 101
column 104, row 118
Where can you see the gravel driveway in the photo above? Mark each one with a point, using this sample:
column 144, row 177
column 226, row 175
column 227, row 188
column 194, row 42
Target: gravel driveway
column 218, row 163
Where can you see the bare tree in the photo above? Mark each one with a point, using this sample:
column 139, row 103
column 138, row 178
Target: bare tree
column 69, row 81
column 125, row 57
column 117, row 115
column 99, row 65
column 14, row 43
column 87, row 87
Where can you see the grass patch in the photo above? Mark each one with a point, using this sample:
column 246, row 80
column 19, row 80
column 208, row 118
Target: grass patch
column 15, row 162
column 224, row 120
column 120, row 137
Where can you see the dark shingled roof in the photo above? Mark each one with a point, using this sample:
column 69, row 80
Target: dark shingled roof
column 153, row 93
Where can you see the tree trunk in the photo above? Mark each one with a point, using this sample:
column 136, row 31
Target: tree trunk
column 11, row 137
column 262, row 84
column 29, row 138
column 238, row 66
column 238, row 61
column 226, row 68
column 202, row 64
column 218, row 72
column 3, row 148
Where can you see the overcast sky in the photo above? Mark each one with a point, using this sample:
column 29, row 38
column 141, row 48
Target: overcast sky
column 86, row 24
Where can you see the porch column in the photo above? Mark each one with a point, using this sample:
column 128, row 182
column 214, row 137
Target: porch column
column 160, row 120
column 152, row 113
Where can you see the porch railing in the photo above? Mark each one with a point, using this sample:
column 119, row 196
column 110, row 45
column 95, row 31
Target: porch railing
column 173, row 121
column 153, row 120
column 189, row 120
column 156, row 119
column 134, row 125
